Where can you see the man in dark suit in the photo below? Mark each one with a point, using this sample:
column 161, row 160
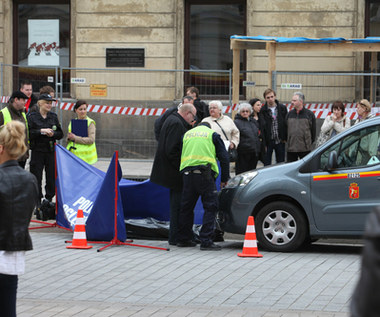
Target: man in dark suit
column 165, row 170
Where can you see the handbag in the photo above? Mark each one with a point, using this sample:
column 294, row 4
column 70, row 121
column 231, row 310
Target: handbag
column 322, row 138
column 232, row 153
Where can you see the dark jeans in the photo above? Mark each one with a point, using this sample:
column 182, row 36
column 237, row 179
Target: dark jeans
column 279, row 150
column 195, row 185
column 175, row 207
column 38, row 162
column 294, row 156
column 8, row 292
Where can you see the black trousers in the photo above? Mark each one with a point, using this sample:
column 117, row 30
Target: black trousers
column 294, row 156
column 175, row 207
column 195, row 185
column 246, row 161
column 8, row 291
column 38, row 162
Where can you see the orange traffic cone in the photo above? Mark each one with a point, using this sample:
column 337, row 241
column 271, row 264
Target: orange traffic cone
column 79, row 239
column 250, row 242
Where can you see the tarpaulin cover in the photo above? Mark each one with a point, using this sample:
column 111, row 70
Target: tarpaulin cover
column 82, row 186
column 306, row 39
column 148, row 200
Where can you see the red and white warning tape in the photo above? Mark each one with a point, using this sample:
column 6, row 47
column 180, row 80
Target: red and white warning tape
column 321, row 110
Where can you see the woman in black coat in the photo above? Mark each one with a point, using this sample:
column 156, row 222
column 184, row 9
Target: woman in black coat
column 250, row 144
column 18, row 198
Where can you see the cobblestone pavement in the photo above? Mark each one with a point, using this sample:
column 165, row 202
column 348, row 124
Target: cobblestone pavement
column 134, row 281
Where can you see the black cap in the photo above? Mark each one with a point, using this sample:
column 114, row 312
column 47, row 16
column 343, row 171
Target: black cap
column 19, row 95
column 46, row 97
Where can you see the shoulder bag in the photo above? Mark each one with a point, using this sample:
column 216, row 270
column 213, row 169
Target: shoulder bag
column 232, row 153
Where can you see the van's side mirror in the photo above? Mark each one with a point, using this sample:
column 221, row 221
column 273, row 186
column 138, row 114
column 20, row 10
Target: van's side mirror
column 332, row 163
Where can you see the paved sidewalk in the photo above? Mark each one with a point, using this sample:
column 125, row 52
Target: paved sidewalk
column 130, row 168
column 134, row 281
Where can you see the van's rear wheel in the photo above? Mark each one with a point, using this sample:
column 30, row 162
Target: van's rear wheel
column 281, row 226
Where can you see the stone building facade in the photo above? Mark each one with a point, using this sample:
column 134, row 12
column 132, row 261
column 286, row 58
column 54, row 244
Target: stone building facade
column 160, row 28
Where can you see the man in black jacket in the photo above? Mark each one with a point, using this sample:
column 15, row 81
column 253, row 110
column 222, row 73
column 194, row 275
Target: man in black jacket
column 159, row 122
column 301, row 124
column 15, row 111
column 27, row 88
column 202, row 107
column 274, row 114
column 165, row 170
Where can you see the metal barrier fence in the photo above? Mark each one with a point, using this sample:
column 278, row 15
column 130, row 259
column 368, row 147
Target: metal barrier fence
column 132, row 135
column 326, row 86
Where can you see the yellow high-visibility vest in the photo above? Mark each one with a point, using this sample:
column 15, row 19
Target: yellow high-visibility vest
column 86, row 152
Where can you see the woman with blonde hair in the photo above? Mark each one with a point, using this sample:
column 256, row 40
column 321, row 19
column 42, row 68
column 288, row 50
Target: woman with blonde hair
column 18, row 198
column 44, row 130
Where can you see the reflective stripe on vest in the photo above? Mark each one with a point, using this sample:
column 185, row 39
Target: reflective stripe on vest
column 8, row 118
column 199, row 149
column 86, row 152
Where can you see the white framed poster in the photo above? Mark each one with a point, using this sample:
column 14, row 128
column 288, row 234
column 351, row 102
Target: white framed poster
column 43, row 42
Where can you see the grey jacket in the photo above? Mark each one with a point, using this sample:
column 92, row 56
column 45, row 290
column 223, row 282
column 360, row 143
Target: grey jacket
column 301, row 130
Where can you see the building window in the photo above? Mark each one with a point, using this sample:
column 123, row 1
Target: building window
column 372, row 28
column 41, row 40
column 209, row 25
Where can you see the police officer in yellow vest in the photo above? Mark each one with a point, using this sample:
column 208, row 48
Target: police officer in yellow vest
column 15, row 111
column 83, row 146
column 201, row 149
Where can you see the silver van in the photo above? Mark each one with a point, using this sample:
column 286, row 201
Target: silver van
column 328, row 193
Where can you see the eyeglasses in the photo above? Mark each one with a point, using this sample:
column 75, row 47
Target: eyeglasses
column 244, row 111
column 194, row 116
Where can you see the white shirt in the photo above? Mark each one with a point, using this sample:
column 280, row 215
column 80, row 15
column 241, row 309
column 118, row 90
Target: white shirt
column 12, row 262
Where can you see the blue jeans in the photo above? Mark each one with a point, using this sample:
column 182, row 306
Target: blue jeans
column 279, row 150
column 8, row 291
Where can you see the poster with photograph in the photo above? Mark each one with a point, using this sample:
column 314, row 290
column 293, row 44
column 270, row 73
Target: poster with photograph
column 43, row 42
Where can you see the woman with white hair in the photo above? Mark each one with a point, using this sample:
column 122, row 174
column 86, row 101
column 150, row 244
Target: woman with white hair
column 222, row 124
column 250, row 144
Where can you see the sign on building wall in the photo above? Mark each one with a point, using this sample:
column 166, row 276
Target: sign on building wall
column 249, row 83
column 98, row 90
column 75, row 80
column 43, row 42
column 125, row 57
column 291, row 86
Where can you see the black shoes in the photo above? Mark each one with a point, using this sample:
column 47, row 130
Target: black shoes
column 211, row 247
column 218, row 238
column 46, row 211
column 186, row 244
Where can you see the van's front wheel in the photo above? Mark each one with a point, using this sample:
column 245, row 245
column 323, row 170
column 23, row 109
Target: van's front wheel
column 281, row 227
